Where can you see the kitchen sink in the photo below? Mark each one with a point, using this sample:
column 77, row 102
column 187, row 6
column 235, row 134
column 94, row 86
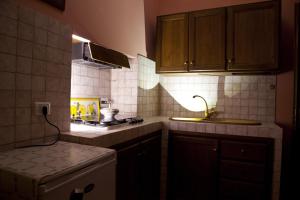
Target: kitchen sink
column 217, row 121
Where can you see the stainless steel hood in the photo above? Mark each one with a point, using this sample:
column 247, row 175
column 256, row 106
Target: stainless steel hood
column 92, row 54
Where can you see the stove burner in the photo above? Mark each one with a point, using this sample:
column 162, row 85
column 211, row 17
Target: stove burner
column 116, row 122
column 131, row 120
column 134, row 120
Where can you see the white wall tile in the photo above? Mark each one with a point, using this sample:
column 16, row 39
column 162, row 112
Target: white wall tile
column 8, row 26
column 24, row 65
column 7, row 62
column 7, row 80
column 242, row 97
column 8, row 44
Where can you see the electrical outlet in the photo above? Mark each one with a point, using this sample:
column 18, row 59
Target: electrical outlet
column 39, row 107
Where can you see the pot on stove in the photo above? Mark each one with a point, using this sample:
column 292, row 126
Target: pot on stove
column 109, row 114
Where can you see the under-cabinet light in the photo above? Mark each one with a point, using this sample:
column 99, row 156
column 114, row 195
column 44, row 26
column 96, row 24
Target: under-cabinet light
column 76, row 37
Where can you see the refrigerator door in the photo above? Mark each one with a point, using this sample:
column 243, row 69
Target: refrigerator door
column 96, row 182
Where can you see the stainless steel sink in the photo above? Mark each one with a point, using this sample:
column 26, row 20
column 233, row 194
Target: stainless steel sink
column 217, row 121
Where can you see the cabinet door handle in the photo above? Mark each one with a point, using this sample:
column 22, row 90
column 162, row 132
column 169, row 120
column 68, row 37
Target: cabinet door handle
column 191, row 63
column 242, row 150
column 214, row 149
column 186, row 62
column 230, row 61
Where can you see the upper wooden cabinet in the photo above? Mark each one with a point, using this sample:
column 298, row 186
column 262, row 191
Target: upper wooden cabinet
column 207, row 40
column 235, row 39
column 252, row 37
column 172, row 43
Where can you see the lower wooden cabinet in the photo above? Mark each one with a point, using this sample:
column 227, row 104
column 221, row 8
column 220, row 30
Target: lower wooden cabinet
column 240, row 190
column 128, row 173
column 192, row 168
column 218, row 167
column 138, row 168
column 150, row 168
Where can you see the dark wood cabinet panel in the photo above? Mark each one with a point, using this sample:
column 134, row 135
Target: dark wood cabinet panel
column 172, row 43
column 138, row 168
column 243, row 151
column 241, row 38
column 252, row 36
column 237, row 190
column 206, row 166
column 193, row 167
column 128, row 173
column 207, row 40
column 242, row 171
column 150, row 174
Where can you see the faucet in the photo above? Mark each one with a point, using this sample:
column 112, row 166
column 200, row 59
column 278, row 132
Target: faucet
column 207, row 114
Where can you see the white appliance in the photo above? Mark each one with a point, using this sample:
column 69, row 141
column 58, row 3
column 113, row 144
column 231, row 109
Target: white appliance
column 64, row 171
column 95, row 182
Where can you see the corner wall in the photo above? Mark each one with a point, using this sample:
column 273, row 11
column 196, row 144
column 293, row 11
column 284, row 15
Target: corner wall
column 123, row 21
column 35, row 65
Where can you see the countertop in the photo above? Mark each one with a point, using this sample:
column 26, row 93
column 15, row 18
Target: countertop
column 107, row 138
column 23, row 170
column 42, row 164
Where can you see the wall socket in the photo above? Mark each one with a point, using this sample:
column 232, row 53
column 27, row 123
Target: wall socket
column 39, row 107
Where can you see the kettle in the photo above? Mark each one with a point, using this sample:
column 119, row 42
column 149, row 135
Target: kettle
column 109, row 113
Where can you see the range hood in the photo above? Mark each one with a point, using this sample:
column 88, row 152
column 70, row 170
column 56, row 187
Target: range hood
column 91, row 54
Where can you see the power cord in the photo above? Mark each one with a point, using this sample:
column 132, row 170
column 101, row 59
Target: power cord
column 45, row 113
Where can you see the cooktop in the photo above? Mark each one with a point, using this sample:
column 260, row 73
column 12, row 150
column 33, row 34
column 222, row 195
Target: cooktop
column 131, row 120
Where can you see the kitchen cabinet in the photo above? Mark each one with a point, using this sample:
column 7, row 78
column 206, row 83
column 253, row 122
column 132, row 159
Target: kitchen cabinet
column 212, row 166
column 150, row 176
column 138, row 168
column 172, row 43
column 241, row 38
column 252, row 37
column 193, row 168
column 245, row 169
column 207, row 40
column 128, row 165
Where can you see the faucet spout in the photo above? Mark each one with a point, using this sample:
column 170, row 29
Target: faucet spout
column 206, row 114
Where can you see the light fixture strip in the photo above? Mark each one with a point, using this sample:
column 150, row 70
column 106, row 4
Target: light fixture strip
column 76, row 37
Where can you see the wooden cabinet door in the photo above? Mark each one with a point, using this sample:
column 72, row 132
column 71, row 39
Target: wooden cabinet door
column 192, row 168
column 150, row 168
column 237, row 190
column 207, row 38
column 128, row 170
column 252, row 37
column 172, row 43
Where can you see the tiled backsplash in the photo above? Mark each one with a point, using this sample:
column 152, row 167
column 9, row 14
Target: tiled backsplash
column 90, row 81
column 133, row 91
column 124, row 89
column 119, row 85
column 140, row 91
column 148, row 88
column 35, row 55
column 242, row 97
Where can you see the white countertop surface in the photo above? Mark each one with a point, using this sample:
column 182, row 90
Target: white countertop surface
column 264, row 130
column 42, row 164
